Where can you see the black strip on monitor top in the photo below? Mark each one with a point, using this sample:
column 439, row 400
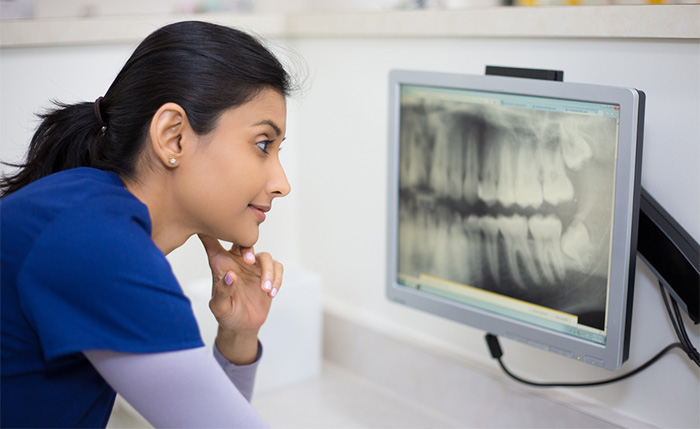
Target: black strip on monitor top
column 541, row 74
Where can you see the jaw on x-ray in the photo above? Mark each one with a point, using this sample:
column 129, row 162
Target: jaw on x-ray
column 508, row 200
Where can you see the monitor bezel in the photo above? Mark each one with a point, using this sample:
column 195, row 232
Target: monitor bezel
column 624, row 230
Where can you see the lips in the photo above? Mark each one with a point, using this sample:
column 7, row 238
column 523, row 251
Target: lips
column 259, row 211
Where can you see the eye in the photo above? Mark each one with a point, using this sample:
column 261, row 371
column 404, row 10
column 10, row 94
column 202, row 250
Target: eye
column 263, row 145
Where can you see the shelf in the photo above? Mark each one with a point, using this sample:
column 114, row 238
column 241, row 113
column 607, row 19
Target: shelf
column 677, row 21
column 119, row 29
column 641, row 22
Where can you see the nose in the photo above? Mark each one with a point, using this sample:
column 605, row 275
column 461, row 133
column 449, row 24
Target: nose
column 278, row 185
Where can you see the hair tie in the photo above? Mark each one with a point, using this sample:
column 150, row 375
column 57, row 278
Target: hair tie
column 98, row 113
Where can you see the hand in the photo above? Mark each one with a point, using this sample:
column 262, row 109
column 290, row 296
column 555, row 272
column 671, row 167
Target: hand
column 242, row 291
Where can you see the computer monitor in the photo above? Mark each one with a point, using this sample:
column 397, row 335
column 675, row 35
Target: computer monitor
column 513, row 207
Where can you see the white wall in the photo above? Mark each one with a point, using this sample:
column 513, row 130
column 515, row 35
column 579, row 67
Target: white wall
column 334, row 220
column 342, row 193
column 30, row 78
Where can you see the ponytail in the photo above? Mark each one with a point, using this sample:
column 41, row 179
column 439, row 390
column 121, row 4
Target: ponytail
column 68, row 136
column 204, row 68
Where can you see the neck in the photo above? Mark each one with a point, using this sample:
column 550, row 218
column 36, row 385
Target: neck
column 166, row 232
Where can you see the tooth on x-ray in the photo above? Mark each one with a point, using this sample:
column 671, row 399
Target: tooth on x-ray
column 455, row 165
column 576, row 244
column 460, row 269
column 441, row 254
column 489, row 226
column 528, row 191
column 489, row 173
column 506, row 177
column 473, row 230
column 556, row 186
column 575, row 150
column 546, row 233
column 414, row 171
column 471, row 166
column 439, row 178
column 514, row 230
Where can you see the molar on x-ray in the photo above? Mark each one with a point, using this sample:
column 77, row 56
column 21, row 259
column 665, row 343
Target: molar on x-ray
column 509, row 200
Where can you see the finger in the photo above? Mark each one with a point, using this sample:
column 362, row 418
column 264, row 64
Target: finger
column 222, row 291
column 248, row 254
column 267, row 272
column 277, row 281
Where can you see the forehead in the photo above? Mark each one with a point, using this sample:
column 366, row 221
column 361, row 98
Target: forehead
column 266, row 113
column 267, row 106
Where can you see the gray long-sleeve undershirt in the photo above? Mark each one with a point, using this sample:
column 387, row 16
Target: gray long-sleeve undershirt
column 184, row 388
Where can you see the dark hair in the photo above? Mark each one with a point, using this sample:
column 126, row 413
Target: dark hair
column 205, row 68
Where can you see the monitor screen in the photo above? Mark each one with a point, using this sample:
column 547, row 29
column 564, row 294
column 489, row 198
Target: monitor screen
column 513, row 206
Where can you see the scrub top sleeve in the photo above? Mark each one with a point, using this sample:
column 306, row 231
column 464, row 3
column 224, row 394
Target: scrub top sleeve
column 90, row 284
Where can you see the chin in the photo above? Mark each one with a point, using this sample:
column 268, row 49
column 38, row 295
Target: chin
column 247, row 241
column 239, row 237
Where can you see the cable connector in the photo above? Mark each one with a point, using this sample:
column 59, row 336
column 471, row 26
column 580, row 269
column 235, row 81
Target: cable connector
column 494, row 346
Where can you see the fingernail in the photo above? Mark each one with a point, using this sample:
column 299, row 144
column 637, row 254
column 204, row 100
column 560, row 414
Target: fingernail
column 249, row 257
column 273, row 292
column 228, row 279
column 267, row 285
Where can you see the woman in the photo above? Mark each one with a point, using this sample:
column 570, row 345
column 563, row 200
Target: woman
column 184, row 142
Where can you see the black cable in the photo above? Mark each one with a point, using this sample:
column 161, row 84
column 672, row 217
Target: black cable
column 586, row 384
column 689, row 348
column 679, row 326
column 674, row 314
column 670, row 314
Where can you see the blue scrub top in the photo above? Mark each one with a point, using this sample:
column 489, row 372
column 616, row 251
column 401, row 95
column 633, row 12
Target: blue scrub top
column 79, row 271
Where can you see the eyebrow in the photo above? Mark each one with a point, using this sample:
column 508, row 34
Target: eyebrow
column 274, row 126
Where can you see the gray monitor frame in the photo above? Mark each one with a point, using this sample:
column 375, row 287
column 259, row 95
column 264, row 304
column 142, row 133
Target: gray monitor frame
column 615, row 351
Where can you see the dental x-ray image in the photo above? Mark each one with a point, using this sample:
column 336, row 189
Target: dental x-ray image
column 515, row 201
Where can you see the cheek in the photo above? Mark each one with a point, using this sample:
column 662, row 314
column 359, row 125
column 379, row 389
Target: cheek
column 222, row 181
column 221, row 171
column 234, row 185
column 240, row 179
column 208, row 188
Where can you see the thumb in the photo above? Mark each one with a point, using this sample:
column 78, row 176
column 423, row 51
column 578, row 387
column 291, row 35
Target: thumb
column 217, row 263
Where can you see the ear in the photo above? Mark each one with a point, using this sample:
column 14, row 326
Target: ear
column 169, row 127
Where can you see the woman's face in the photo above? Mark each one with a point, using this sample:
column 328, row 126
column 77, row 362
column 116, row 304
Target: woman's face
column 233, row 173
